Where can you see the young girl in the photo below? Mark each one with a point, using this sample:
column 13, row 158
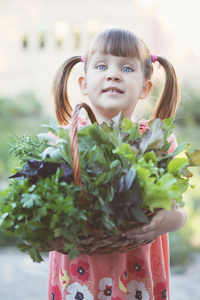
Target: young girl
column 118, row 68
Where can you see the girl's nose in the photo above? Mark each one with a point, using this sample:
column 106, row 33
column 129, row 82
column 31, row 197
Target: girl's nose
column 113, row 75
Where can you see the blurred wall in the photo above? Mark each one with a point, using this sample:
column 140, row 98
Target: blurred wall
column 36, row 36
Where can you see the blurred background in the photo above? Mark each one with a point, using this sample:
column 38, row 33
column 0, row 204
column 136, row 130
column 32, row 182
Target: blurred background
column 37, row 36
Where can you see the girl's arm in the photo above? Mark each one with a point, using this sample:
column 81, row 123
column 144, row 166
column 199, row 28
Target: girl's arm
column 163, row 221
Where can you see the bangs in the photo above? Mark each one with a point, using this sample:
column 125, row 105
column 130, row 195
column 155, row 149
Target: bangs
column 116, row 42
column 120, row 42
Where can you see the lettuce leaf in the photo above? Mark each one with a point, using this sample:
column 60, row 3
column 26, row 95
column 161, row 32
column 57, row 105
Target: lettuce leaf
column 123, row 172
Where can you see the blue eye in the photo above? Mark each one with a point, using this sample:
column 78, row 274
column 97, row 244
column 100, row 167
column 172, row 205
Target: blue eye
column 101, row 67
column 127, row 69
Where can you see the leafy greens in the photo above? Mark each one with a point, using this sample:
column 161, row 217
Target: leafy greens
column 123, row 173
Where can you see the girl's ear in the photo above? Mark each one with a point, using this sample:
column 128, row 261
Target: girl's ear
column 83, row 85
column 146, row 89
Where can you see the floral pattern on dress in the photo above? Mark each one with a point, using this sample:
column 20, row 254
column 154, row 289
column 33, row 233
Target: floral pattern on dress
column 136, row 291
column 78, row 292
column 143, row 126
column 55, row 269
column 106, row 286
column 123, row 282
column 79, row 270
column 160, row 291
column 136, row 266
column 156, row 265
column 64, row 278
column 56, row 293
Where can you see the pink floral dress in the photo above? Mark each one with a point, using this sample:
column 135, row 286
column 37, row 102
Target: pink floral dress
column 141, row 274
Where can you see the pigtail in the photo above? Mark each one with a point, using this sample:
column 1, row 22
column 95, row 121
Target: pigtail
column 63, row 107
column 170, row 97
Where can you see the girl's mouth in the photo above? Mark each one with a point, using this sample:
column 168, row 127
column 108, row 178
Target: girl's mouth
column 113, row 90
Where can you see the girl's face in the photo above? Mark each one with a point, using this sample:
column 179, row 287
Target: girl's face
column 114, row 84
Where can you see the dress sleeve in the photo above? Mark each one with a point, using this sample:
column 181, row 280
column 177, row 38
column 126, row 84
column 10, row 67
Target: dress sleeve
column 174, row 143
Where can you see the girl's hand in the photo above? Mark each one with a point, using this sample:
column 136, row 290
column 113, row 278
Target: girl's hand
column 163, row 221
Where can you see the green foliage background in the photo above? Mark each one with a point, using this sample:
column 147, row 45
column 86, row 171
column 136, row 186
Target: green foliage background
column 24, row 114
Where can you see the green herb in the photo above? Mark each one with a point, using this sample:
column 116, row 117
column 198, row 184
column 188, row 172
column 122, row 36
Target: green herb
column 27, row 147
column 123, row 173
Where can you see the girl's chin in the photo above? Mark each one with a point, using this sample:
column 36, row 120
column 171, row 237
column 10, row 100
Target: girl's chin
column 112, row 109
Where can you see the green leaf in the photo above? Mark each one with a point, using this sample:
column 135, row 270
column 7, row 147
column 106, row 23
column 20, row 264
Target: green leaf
column 47, row 152
column 150, row 156
column 67, row 247
column 100, row 178
column 156, row 139
column 53, row 123
column 29, row 200
column 74, row 252
column 47, row 137
column 125, row 151
column 168, row 123
column 177, row 164
column 35, row 255
column 162, row 200
column 131, row 128
column 168, row 127
column 2, row 218
column 33, row 252
column 108, row 223
column 28, row 147
column 194, row 158
column 112, row 130
column 24, row 247
column 144, row 141
column 139, row 214
column 144, row 178
column 179, row 149
column 56, row 156
column 41, row 212
column 62, row 142
column 166, row 181
column 129, row 178
column 85, row 143
column 114, row 164
column 52, row 127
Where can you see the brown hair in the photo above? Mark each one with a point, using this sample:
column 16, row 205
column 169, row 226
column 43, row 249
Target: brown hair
column 118, row 42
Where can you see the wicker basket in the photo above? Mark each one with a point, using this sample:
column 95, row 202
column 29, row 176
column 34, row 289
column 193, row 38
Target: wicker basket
column 96, row 242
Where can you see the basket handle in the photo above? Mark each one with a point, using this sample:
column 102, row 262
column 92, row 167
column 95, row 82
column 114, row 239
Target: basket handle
column 74, row 143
